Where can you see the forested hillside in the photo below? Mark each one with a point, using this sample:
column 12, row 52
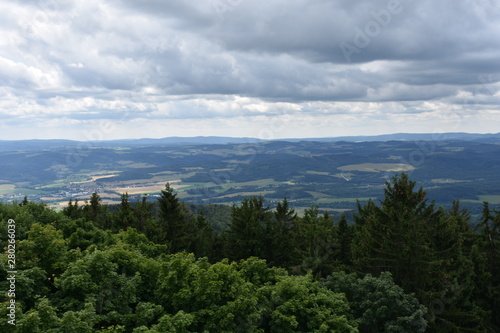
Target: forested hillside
column 404, row 265
column 331, row 175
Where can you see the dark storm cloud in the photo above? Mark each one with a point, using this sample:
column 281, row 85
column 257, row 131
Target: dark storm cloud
column 286, row 49
column 125, row 59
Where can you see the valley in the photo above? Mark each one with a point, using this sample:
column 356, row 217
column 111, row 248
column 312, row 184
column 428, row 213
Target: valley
column 330, row 174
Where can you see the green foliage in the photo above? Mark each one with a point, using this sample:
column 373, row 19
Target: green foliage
column 172, row 221
column 278, row 237
column 315, row 243
column 127, row 269
column 423, row 249
column 397, row 236
column 297, row 304
column 31, row 284
column 345, row 235
column 45, row 247
column 96, row 278
column 378, row 303
column 486, row 257
column 230, row 297
column 245, row 233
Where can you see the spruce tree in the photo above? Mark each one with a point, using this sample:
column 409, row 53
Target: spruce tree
column 344, row 237
column 314, row 241
column 245, row 235
column 172, row 221
column 278, row 245
column 422, row 247
column 395, row 237
column 489, row 250
column 125, row 214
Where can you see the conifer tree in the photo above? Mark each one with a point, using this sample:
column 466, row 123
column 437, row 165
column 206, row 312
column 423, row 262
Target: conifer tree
column 395, row 237
column 489, row 251
column 73, row 210
column 344, row 236
column 125, row 214
column 172, row 221
column 244, row 238
column 422, row 247
column 145, row 222
column 94, row 211
column 314, row 242
column 201, row 238
column 278, row 245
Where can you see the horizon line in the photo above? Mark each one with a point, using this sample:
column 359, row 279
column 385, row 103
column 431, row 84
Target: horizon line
column 258, row 139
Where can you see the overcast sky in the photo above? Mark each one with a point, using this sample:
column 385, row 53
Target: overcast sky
column 110, row 69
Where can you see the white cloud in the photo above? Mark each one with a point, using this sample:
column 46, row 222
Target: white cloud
column 218, row 67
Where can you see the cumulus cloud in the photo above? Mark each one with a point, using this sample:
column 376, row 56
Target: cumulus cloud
column 216, row 67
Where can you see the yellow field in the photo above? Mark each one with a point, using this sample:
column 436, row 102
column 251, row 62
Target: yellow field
column 94, row 178
column 377, row 167
column 140, row 165
column 246, row 194
column 157, row 187
column 52, row 199
column 163, row 173
column 321, row 173
column 446, row 181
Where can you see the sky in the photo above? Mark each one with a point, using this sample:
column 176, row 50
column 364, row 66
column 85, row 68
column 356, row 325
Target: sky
column 115, row 69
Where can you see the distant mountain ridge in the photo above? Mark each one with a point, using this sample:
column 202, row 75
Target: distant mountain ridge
column 36, row 145
column 453, row 136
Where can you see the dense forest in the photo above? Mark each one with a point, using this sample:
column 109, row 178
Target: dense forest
column 403, row 265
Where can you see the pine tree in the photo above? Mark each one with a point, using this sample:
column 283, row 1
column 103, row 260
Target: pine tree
column 145, row 221
column 423, row 248
column 395, row 236
column 172, row 221
column 73, row 210
column 94, row 211
column 344, row 236
column 245, row 237
column 24, row 202
column 125, row 215
column 314, row 242
column 489, row 250
column 201, row 237
column 278, row 238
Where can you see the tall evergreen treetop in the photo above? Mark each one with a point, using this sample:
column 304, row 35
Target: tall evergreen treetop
column 172, row 219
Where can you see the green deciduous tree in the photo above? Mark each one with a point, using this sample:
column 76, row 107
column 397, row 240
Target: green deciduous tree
column 99, row 278
column 378, row 303
column 45, row 247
